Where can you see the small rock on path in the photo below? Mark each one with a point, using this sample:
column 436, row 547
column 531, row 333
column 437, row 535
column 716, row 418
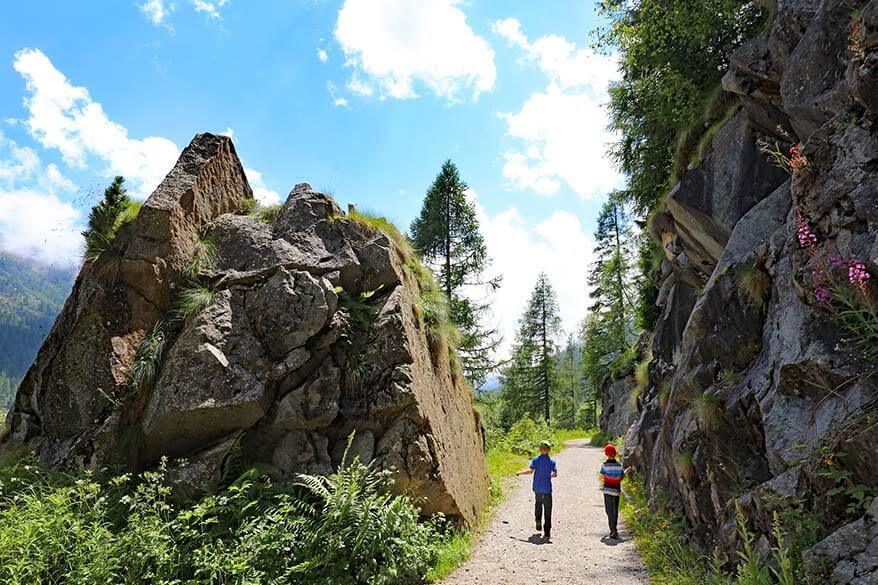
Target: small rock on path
column 509, row 553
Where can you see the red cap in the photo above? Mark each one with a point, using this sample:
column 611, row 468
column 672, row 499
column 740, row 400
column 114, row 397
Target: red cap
column 610, row 450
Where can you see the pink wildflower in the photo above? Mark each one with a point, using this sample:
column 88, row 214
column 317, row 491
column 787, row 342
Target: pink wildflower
column 857, row 274
column 807, row 238
column 821, row 295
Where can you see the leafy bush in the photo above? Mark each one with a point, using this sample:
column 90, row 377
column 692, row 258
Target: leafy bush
column 344, row 529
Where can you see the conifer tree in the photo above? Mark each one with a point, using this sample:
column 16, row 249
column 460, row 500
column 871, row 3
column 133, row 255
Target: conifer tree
column 446, row 236
column 529, row 379
column 609, row 328
column 103, row 218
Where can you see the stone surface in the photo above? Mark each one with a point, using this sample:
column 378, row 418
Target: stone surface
column 618, row 412
column 757, row 391
column 287, row 361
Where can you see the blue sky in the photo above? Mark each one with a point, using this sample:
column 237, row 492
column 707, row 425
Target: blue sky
column 361, row 98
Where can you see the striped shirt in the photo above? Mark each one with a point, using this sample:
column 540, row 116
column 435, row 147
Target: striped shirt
column 612, row 475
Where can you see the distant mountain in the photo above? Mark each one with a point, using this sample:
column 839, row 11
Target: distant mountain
column 31, row 296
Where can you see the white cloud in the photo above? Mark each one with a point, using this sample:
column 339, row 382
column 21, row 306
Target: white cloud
column 210, row 7
column 359, row 87
column 157, row 11
column 261, row 192
column 34, row 222
column 39, row 226
column 400, row 44
column 561, row 131
column 557, row 245
column 338, row 100
column 64, row 117
column 322, row 55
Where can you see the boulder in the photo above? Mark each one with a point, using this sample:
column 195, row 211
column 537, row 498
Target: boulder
column 310, row 337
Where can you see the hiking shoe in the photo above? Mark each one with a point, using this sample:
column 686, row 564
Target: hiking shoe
column 547, row 535
column 614, row 536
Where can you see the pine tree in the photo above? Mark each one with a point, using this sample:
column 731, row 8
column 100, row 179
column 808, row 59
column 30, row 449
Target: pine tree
column 609, row 328
column 569, row 392
column 529, row 380
column 446, row 236
column 103, row 219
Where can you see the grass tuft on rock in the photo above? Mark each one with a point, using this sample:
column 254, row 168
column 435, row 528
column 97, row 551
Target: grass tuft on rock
column 264, row 213
column 708, row 411
column 148, row 359
column 684, row 464
column 204, row 258
column 754, row 284
column 193, row 300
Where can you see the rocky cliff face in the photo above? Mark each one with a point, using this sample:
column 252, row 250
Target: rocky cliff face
column 753, row 379
column 309, row 328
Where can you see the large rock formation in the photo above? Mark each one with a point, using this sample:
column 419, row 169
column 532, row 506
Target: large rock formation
column 309, row 329
column 753, row 380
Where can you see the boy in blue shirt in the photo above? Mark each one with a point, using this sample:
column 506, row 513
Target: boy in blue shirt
column 543, row 469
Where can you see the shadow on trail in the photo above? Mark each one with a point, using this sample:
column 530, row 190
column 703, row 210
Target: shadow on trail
column 537, row 539
column 612, row 541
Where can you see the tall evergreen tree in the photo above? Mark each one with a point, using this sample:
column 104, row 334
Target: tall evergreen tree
column 529, row 379
column 446, row 236
column 609, row 328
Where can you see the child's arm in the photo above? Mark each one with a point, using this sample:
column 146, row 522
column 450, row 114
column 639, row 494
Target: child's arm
column 554, row 469
column 524, row 472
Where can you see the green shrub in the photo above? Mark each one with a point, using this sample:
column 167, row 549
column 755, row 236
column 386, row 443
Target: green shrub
column 344, row 529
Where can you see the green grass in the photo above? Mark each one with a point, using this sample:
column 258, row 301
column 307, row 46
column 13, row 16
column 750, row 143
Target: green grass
column 754, row 284
column 659, row 534
column 148, row 359
column 453, row 551
column 264, row 213
column 204, row 258
column 192, row 301
column 708, row 410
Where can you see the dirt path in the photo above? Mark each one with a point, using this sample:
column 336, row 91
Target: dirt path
column 579, row 553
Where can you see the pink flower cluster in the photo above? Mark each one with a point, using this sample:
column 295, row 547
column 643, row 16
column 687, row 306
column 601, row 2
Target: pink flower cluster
column 798, row 162
column 807, row 238
column 821, row 277
column 857, row 274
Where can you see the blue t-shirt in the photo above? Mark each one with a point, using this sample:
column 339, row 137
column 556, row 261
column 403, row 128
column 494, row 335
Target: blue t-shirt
column 543, row 467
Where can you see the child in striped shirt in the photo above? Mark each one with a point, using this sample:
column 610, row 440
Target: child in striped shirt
column 612, row 475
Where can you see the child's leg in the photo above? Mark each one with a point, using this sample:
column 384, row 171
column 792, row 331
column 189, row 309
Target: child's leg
column 547, row 504
column 538, row 510
column 612, row 505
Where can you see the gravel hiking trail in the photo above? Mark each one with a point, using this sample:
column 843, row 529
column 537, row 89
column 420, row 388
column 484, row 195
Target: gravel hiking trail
column 511, row 553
